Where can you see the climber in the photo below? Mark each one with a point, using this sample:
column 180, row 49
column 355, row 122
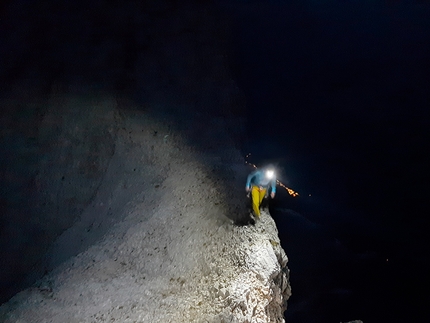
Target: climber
column 258, row 183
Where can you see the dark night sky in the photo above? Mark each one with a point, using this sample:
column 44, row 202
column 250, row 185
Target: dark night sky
column 337, row 93
column 342, row 86
column 346, row 80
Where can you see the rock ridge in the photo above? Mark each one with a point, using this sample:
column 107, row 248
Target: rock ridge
column 175, row 255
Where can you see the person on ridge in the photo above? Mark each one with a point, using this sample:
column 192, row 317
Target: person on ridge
column 258, row 182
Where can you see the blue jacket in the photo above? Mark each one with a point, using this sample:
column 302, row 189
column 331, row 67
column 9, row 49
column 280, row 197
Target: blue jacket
column 259, row 178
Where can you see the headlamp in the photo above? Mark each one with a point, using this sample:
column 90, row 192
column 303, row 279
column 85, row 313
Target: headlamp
column 270, row 173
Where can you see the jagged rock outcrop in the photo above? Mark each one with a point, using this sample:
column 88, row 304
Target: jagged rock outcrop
column 176, row 256
column 66, row 74
column 130, row 181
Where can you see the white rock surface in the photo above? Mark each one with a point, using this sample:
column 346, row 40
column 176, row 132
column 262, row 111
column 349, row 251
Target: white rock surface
column 174, row 255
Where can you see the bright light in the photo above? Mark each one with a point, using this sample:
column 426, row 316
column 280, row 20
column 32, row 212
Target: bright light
column 269, row 174
column 289, row 190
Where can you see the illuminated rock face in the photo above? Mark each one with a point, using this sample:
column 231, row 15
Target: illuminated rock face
column 176, row 255
column 133, row 145
column 67, row 75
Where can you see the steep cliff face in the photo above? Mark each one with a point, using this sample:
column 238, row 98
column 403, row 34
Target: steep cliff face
column 124, row 187
column 68, row 72
column 177, row 255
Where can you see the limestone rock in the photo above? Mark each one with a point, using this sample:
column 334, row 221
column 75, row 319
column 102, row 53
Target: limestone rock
column 175, row 255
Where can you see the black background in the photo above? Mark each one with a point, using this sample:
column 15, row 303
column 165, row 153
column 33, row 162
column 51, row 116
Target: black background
column 338, row 94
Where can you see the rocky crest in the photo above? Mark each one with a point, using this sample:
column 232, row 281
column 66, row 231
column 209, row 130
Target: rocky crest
column 124, row 184
column 176, row 255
